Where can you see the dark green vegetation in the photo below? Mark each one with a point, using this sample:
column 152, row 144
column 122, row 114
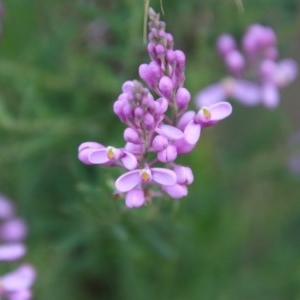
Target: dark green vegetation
column 237, row 235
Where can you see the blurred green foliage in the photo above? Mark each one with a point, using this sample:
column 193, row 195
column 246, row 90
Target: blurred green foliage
column 236, row 236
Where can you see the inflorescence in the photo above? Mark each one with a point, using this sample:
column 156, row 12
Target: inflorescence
column 16, row 284
column 255, row 73
column 159, row 125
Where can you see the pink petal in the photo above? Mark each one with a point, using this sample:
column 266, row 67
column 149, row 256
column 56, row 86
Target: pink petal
column 134, row 148
column 13, row 230
column 135, row 198
column 220, row 111
column 286, row 72
column 163, row 176
column 170, row 132
column 246, row 92
column 167, row 155
column 98, row 156
column 129, row 161
column 192, row 132
column 21, row 295
column 185, row 119
column 176, row 191
column 211, row 94
column 6, row 208
column 183, row 146
column 12, row 251
column 270, row 96
column 20, row 279
column 184, row 174
column 89, row 145
column 128, row 181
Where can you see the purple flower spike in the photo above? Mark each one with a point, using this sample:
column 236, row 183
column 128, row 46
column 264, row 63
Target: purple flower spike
column 135, row 198
column 12, row 252
column 255, row 75
column 159, row 129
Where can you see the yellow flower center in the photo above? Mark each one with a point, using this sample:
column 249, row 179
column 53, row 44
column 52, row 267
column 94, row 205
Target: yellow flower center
column 110, row 152
column 206, row 113
column 145, row 175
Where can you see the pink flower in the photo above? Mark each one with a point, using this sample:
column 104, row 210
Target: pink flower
column 95, row 154
column 131, row 179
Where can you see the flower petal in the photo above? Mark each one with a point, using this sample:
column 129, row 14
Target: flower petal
column 21, row 295
column 220, row 111
column 163, row 176
column 170, row 132
column 6, row 208
column 20, row 279
column 184, row 174
column 167, row 155
column 192, row 132
column 12, row 251
column 98, row 156
column 129, row 160
column 13, row 230
column 135, row 198
column 270, row 96
column 128, row 181
column 211, row 94
column 89, row 145
column 286, row 72
column 176, row 191
column 246, row 92
column 185, row 119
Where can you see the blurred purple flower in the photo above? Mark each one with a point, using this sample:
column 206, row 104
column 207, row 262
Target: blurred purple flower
column 16, row 284
column 255, row 75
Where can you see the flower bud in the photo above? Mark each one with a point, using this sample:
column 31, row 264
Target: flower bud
column 182, row 98
column 159, row 143
column 167, row 155
column 166, row 86
column 130, row 135
column 225, row 44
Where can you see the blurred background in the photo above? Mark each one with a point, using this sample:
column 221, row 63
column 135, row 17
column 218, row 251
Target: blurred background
column 236, row 236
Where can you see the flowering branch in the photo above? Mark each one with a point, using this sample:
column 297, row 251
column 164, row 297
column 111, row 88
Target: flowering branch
column 159, row 126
